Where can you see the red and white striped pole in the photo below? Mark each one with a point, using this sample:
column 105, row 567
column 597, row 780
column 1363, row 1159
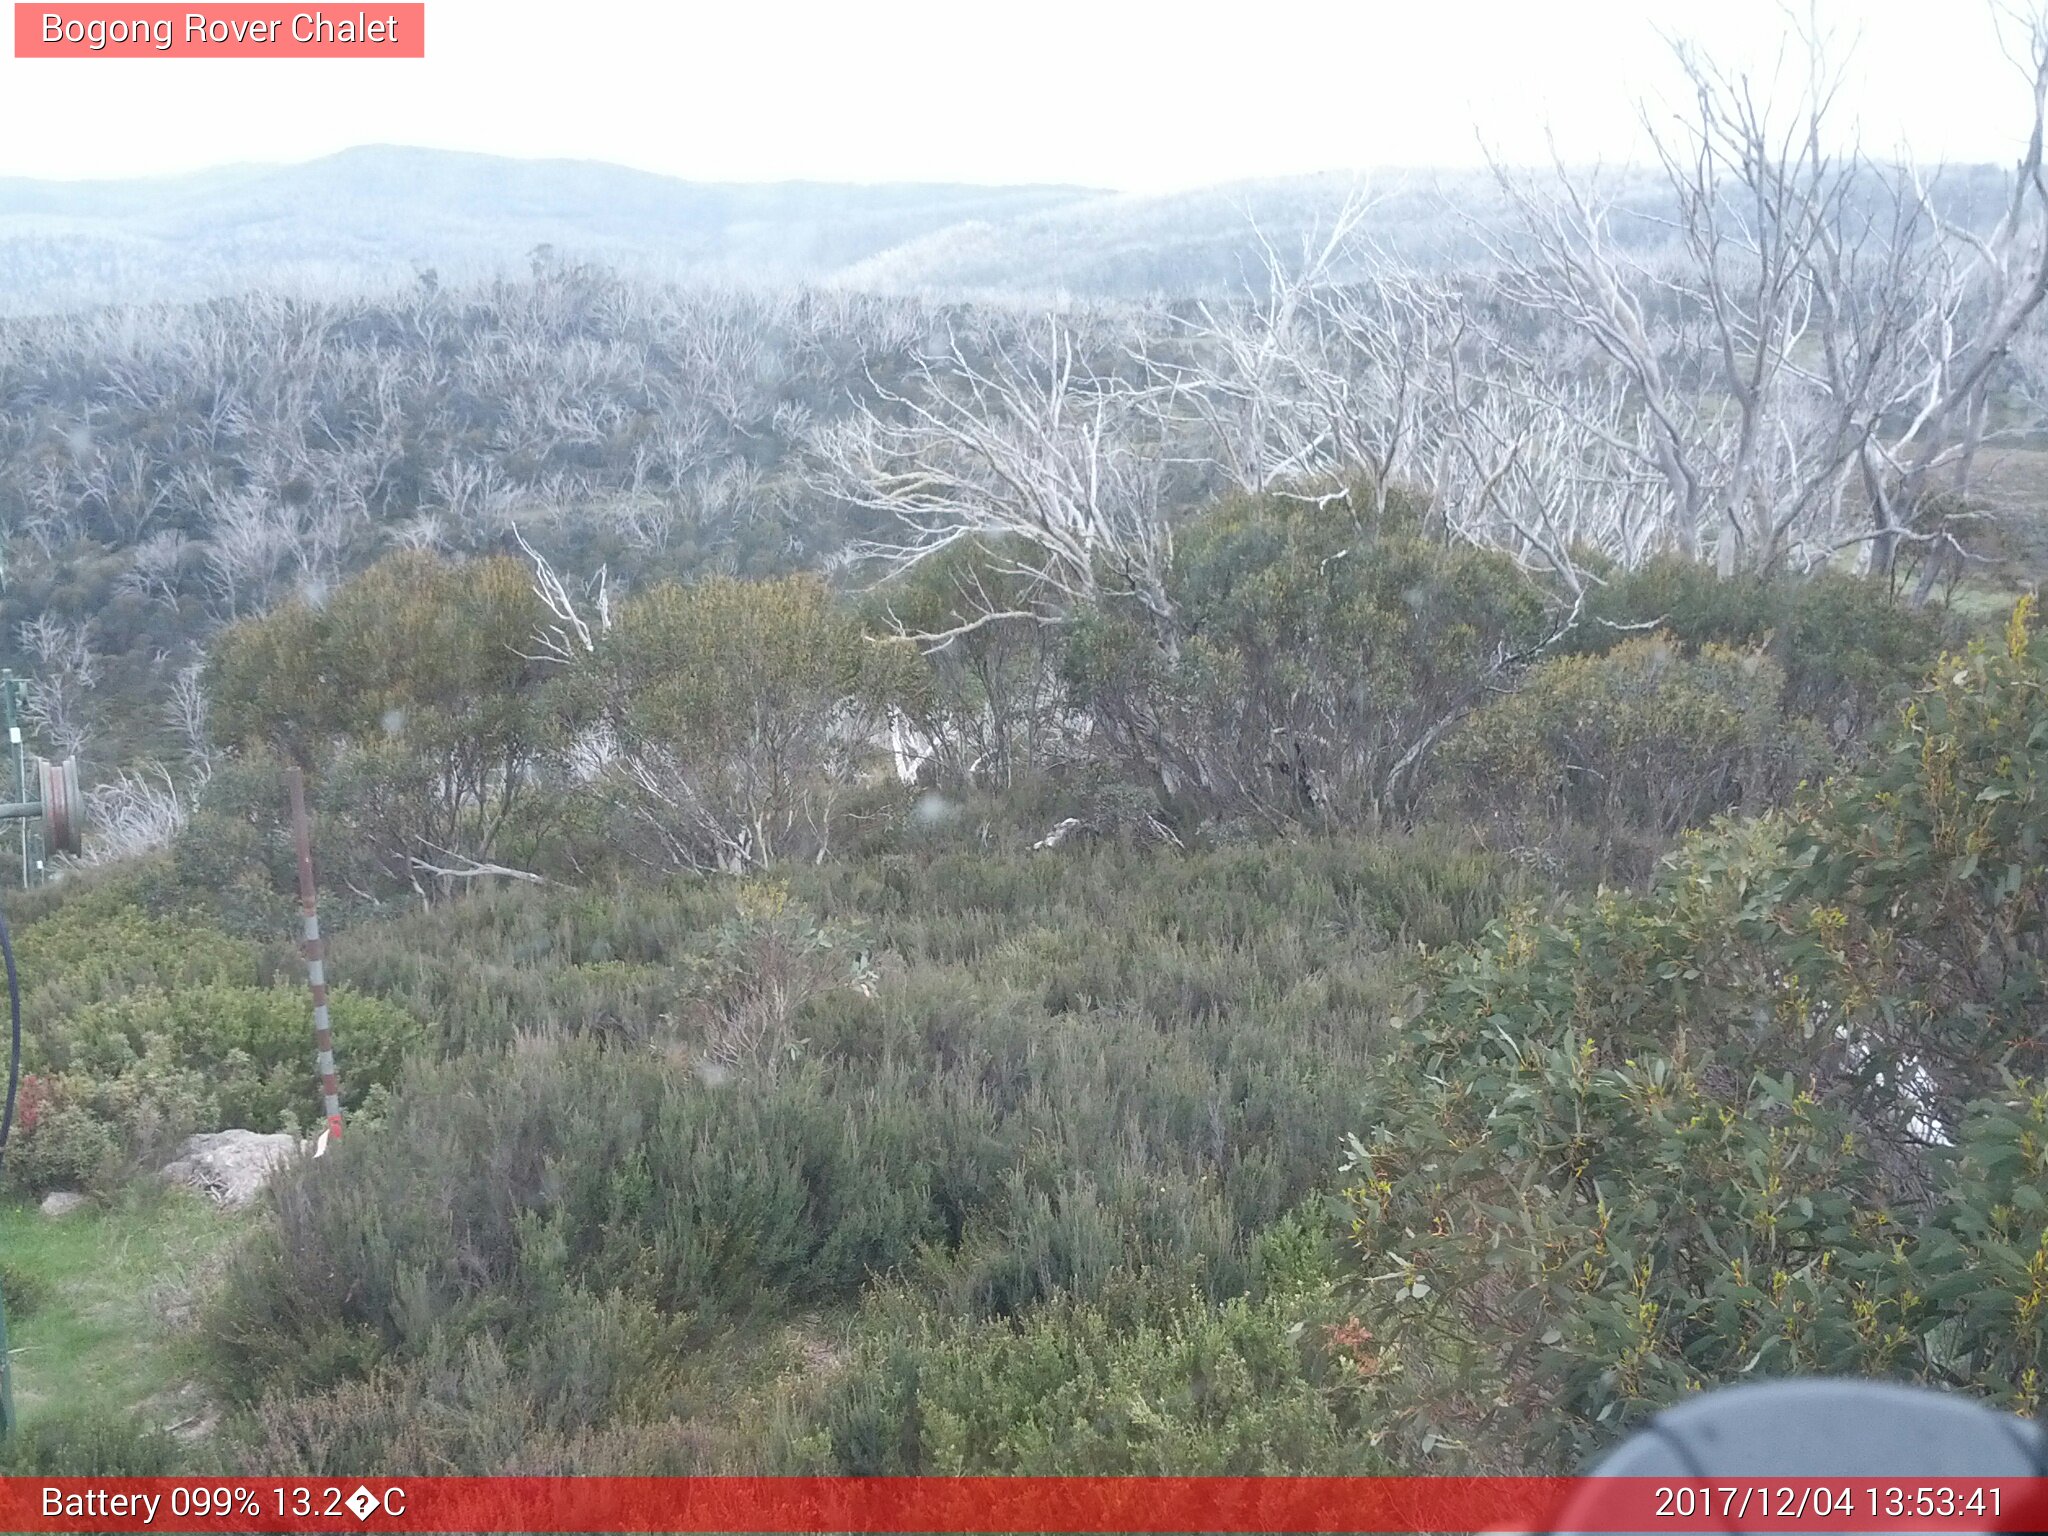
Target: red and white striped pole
column 316, row 969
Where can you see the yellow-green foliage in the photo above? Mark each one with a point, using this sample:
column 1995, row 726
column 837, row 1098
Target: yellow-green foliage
column 1782, row 1113
column 140, row 1030
column 740, row 712
column 1934, row 856
column 417, row 647
column 411, row 694
column 1138, row 1385
column 103, row 944
column 1645, row 737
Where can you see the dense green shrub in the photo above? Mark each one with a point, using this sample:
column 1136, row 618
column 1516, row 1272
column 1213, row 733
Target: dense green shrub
column 496, row 1188
column 1780, row 1114
column 101, row 943
column 81, row 1125
column 1049, row 1070
column 1319, row 651
column 1619, row 1231
column 1850, row 651
column 64, row 1146
column 412, row 694
column 1927, row 874
column 120, row 1082
column 1140, row 1385
column 1641, row 741
column 736, row 714
column 146, row 1029
column 27, row 1291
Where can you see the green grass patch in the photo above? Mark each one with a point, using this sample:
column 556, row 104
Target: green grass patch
column 108, row 1291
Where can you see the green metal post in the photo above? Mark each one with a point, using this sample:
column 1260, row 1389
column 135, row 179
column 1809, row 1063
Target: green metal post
column 13, row 691
column 6, row 1354
column 6, row 1378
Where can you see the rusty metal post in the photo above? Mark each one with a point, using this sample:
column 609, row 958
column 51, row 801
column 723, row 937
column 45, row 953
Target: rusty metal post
column 316, row 969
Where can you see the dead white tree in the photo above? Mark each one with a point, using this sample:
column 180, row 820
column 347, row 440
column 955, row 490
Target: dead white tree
column 1235, row 374
column 251, row 542
column 187, row 711
column 1377, row 346
column 1318, row 373
column 572, row 634
column 157, row 565
column 1988, row 292
column 1531, row 453
column 1348, row 367
column 1814, row 347
column 136, row 812
column 1025, row 450
column 66, row 667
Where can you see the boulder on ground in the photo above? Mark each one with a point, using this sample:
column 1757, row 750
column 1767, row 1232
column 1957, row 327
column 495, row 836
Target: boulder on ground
column 61, row 1202
column 230, row 1166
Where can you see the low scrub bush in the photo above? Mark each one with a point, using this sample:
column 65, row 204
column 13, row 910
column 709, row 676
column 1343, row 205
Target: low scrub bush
column 147, row 1029
column 26, row 1291
column 1640, row 742
column 411, row 695
column 71, row 1444
column 497, row 1188
column 579, row 1392
column 767, row 963
column 737, row 714
column 1013, row 1079
column 1849, row 650
column 1142, row 1382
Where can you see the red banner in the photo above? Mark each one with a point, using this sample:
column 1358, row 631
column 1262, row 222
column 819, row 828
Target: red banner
column 1016, row 1504
column 224, row 31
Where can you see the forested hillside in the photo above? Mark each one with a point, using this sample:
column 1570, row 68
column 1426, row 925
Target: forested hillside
column 1384, row 872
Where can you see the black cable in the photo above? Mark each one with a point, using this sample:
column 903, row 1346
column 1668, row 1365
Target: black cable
column 14, row 1010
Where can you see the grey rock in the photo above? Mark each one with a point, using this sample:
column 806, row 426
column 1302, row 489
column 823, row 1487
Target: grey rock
column 61, row 1202
column 230, row 1166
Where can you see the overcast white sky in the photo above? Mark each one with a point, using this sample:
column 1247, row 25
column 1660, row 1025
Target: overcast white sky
column 1131, row 94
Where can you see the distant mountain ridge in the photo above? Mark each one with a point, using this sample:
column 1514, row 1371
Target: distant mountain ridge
column 371, row 216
